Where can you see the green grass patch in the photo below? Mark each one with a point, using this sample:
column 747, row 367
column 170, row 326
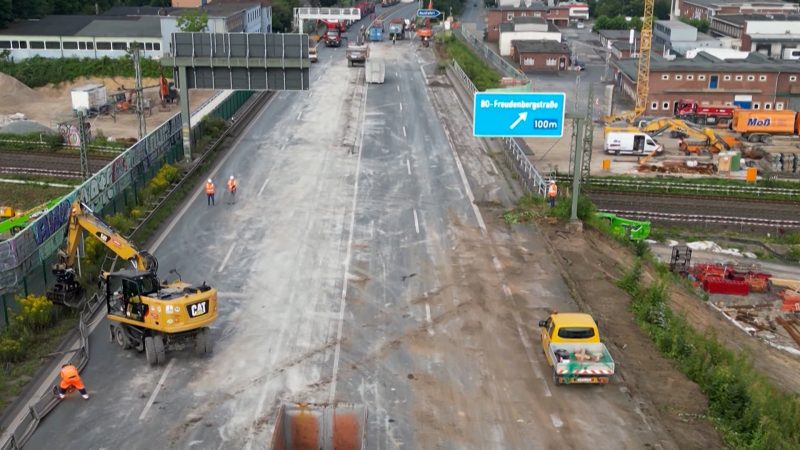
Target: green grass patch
column 40, row 179
column 476, row 69
column 749, row 411
column 25, row 196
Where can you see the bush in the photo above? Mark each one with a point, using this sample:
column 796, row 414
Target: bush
column 38, row 71
column 563, row 208
column 483, row 76
column 32, row 141
column 36, row 313
column 120, row 222
column 11, row 350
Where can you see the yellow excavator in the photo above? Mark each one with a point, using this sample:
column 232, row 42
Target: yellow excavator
column 710, row 139
column 146, row 314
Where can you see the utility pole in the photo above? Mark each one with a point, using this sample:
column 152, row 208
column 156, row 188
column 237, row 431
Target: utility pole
column 588, row 136
column 84, row 145
column 137, row 67
column 578, row 123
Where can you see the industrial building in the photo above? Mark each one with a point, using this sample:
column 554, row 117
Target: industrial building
column 771, row 35
column 706, row 9
column 114, row 33
column 541, row 55
column 561, row 15
column 524, row 29
column 675, row 37
column 753, row 82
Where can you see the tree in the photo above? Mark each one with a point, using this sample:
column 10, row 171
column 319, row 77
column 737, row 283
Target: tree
column 617, row 23
column 6, row 14
column 193, row 21
column 282, row 14
column 327, row 3
column 701, row 24
column 661, row 9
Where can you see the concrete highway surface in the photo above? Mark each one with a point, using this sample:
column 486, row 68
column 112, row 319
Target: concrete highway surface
column 354, row 266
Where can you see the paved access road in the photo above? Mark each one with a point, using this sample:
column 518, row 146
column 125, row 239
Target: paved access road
column 354, row 267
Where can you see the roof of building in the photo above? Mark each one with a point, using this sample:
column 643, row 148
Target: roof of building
column 123, row 26
column 736, row 2
column 139, row 11
column 219, row 8
column 617, row 35
column 674, row 24
column 48, row 26
column 753, row 63
column 739, row 19
column 529, row 19
column 540, row 46
column 534, row 6
column 506, row 27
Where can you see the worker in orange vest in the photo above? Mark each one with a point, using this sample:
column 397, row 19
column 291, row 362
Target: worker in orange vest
column 232, row 189
column 552, row 192
column 71, row 379
column 210, row 191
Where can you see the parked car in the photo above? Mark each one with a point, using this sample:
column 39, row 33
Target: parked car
column 581, row 25
column 312, row 54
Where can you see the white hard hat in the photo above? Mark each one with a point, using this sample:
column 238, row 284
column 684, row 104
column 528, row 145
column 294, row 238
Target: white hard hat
column 209, row 180
column 231, row 177
column 552, row 181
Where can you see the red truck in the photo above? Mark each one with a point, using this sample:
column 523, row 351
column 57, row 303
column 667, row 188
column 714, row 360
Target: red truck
column 333, row 37
column 691, row 111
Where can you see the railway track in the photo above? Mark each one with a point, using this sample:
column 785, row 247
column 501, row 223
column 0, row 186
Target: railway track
column 52, row 164
column 706, row 219
column 673, row 207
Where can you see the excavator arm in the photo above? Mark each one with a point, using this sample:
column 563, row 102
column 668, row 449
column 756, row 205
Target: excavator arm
column 81, row 218
column 709, row 135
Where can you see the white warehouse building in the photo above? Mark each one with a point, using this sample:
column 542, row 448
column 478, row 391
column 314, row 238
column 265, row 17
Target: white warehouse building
column 526, row 29
column 115, row 32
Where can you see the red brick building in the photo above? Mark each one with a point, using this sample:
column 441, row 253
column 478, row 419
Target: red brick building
column 755, row 82
column 541, row 56
column 557, row 15
column 705, row 9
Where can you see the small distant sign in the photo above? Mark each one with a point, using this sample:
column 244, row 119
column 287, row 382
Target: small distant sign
column 429, row 13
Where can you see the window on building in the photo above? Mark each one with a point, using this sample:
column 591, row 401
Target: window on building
column 792, row 77
column 762, row 78
column 756, row 105
column 767, row 105
column 654, row 105
column 119, row 46
column 728, row 103
column 751, row 78
column 701, row 77
column 665, row 106
column 5, row 44
column 739, row 78
column 156, row 46
column 779, row 106
column 23, row 44
column 689, row 77
column 104, row 45
column 37, row 44
column 148, row 46
column 52, row 45
column 70, row 45
column 510, row 17
column 665, row 76
column 726, row 78
column 678, row 77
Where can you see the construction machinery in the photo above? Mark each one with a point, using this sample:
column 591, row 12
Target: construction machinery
column 13, row 221
column 635, row 230
column 714, row 115
column 761, row 125
column 145, row 313
column 643, row 69
column 358, row 52
column 709, row 139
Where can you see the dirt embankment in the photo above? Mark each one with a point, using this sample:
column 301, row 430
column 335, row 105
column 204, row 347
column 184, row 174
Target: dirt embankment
column 676, row 402
column 781, row 367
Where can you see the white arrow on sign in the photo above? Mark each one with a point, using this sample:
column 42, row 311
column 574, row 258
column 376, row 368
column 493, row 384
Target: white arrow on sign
column 523, row 116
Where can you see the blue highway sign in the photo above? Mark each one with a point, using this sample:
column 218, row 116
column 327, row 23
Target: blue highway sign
column 428, row 13
column 525, row 114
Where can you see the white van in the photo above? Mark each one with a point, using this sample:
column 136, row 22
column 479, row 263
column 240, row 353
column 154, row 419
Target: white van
column 791, row 54
column 632, row 144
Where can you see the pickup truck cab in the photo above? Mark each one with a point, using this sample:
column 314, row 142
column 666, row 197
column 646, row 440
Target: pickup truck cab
column 571, row 344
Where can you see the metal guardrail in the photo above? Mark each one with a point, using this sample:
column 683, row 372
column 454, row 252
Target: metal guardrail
column 48, row 401
column 530, row 178
column 698, row 188
column 490, row 56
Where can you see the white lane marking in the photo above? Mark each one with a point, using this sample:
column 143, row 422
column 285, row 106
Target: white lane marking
column 157, row 389
column 300, row 115
column 404, row 131
column 397, row 74
column 263, row 186
column 529, row 354
column 342, row 301
column 398, row 88
column 401, row 106
column 428, row 318
column 465, row 182
column 408, row 166
column 506, row 290
column 227, row 257
column 310, row 93
column 416, row 221
column 556, row 421
column 497, row 265
column 197, row 193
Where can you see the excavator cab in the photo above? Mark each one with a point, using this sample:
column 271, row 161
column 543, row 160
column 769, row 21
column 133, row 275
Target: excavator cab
column 124, row 292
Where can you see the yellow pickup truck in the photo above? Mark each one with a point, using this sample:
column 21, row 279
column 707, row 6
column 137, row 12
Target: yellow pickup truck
column 571, row 344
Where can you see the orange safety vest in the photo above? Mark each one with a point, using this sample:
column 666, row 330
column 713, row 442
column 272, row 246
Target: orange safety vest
column 231, row 185
column 69, row 372
column 552, row 191
column 210, row 188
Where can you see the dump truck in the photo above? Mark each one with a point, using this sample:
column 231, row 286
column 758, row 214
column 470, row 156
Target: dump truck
column 571, row 344
column 333, row 36
column 376, row 31
column 375, row 72
column 303, row 426
column 357, row 54
column 397, row 28
column 761, row 125
column 714, row 115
